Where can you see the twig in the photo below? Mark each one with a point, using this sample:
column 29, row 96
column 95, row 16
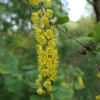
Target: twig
column 70, row 36
column 41, row 8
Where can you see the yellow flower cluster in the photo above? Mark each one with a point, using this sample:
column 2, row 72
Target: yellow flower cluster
column 98, row 75
column 47, row 53
column 98, row 97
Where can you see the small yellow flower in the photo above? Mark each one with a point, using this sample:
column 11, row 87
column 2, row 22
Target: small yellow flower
column 44, row 21
column 48, row 62
column 44, row 72
column 41, row 40
column 38, row 82
column 49, row 50
column 49, row 34
column 34, row 2
column 40, row 77
column 47, row 3
column 52, row 43
column 40, row 91
column 46, row 84
column 49, row 88
column 53, row 76
column 49, row 13
column 53, row 27
column 35, row 17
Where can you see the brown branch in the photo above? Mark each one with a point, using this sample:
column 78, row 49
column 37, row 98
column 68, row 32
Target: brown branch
column 70, row 36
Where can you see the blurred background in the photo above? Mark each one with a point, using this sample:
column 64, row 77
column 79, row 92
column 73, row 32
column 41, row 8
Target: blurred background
column 18, row 58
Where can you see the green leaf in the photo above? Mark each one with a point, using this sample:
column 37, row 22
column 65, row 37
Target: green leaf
column 97, row 31
column 13, row 85
column 34, row 97
column 32, row 85
column 2, row 53
column 77, row 86
column 63, row 89
column 13, row 62
column 31, row 74
column 59, row 95
column 70, row 91
column 65, row 27
column 54, row 88
column 5, row 69
column 91, row 35
column 61, row 18
column 18, row 75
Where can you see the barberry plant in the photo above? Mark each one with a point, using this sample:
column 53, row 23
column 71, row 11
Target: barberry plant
column 47, row 52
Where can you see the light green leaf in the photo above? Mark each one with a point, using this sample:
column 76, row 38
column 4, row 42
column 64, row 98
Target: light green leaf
column 5, row 69
column 18, row 75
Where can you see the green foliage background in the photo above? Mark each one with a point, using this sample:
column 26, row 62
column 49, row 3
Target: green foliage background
column 18, row 58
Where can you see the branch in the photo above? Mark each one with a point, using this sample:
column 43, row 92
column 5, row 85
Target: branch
column 70, row 36
column 41, row 8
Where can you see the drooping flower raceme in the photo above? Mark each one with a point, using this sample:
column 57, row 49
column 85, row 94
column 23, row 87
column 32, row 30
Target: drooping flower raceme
column 46, row 50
